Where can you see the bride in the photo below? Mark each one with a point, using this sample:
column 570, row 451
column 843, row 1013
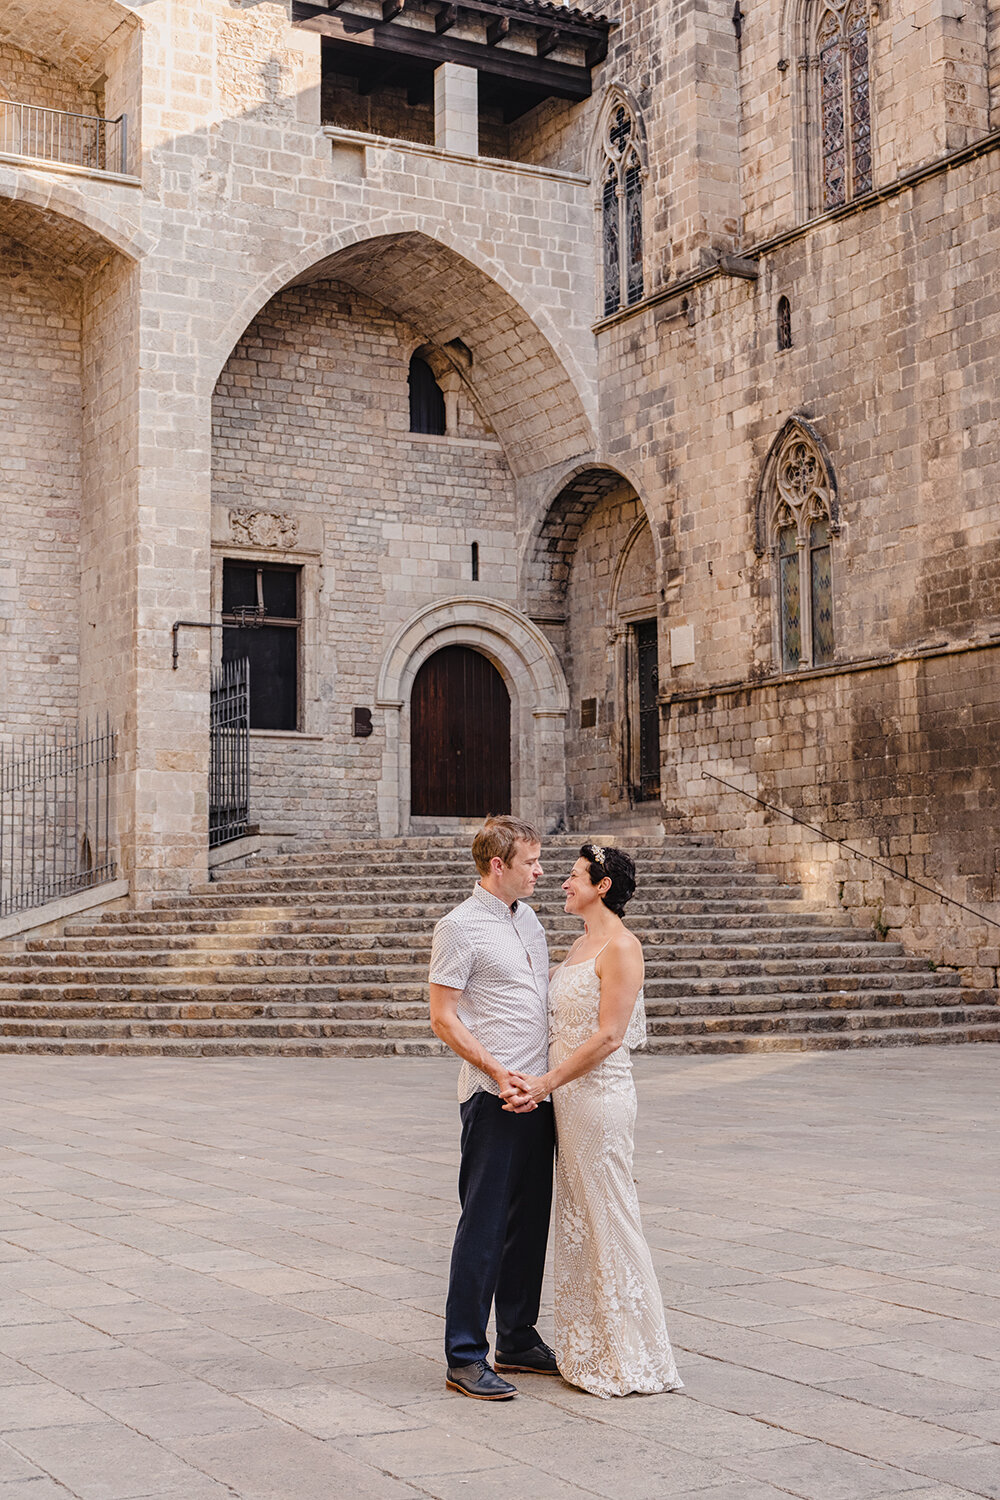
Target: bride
column 610, row 1333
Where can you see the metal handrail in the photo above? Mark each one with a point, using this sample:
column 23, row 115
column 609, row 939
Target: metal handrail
column 47, row 134
column 857, row 853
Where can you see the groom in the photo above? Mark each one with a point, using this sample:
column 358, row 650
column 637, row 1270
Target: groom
column 489, row 982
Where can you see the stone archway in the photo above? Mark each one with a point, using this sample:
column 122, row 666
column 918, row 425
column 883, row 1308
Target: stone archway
column 577, row 581
column 533, row 678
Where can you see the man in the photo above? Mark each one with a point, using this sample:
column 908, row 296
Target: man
column 489, row 982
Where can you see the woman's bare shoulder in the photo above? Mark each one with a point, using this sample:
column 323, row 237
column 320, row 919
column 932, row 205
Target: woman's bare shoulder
column 624, row 945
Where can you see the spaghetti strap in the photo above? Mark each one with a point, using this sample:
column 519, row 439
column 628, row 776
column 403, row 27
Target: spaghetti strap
column 600, row 951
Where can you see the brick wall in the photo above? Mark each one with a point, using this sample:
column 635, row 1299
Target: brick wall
column 40, row 464
column 30, row 80
column 311, row 420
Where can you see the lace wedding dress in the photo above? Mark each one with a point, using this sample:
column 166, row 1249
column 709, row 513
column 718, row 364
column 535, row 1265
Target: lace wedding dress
column 610, row 1332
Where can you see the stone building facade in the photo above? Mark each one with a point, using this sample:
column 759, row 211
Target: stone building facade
column 707, row 298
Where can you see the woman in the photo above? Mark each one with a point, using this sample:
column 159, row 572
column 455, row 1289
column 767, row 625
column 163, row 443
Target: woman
column 610, row 1333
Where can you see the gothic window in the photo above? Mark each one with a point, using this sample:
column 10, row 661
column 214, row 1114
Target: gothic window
column 260, row 620
column 427, row 412
column 844, row 90
column 621, row 211
column 801, row 528
column 784, row 323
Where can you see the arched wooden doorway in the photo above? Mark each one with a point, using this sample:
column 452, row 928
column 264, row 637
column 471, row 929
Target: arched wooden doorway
column 459, row 737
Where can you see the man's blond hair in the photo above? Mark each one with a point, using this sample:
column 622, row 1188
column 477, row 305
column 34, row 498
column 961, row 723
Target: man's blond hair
column 497, row 838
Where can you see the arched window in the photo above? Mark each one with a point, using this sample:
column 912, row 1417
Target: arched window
column 842, row 106
column 799, row 495
column 427, row 412
column 784, row 323
column 621, row 208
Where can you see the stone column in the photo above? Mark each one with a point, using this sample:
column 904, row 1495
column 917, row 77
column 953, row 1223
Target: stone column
column 456, row 109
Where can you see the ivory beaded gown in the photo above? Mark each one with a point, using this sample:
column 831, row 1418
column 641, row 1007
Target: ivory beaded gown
column 610, row 1332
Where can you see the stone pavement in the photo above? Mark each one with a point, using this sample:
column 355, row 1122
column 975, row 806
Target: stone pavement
column 225, row 1278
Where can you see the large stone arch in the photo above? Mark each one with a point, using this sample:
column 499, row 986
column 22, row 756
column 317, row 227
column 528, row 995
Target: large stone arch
column 539, row 703
column 547, row 558
column 525, row 375
column 63, row 221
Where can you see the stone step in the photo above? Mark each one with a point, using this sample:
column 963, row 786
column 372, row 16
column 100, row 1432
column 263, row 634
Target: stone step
column 801, row 925
column 696, row 1008
column 273, row 992
column 458, row 884
column 324, row 952
column 274, row 1046
column 461, row 867
column 823, row 1041
column 45, row 950
column 315, row 966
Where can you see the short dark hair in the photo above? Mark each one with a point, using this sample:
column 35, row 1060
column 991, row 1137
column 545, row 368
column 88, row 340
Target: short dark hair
column 614, row 865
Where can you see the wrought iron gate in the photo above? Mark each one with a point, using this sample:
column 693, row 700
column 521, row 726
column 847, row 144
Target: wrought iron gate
column 229, row 763
column 55, row 815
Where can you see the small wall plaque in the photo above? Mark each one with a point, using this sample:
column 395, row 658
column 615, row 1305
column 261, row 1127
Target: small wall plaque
column 588, row 713
column 362, row 723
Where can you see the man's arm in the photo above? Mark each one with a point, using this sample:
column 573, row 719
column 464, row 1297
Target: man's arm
column 447, row 1025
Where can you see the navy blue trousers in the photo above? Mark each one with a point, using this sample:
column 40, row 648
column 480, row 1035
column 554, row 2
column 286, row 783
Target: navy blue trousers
column 505, row 1188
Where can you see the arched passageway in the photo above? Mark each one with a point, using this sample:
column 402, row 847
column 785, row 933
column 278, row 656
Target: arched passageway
column 590, row 574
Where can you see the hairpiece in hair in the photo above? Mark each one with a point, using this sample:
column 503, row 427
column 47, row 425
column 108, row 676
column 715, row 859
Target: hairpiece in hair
column 597, row 854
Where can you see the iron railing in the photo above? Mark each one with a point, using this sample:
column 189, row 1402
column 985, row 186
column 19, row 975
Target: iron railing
column 57, row 135
column 830, row 838
column 229, row 760
column 55, row 815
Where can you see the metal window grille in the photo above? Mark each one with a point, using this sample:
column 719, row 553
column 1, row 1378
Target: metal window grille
column 229, row 761
column 55, row 815
column 57, row 135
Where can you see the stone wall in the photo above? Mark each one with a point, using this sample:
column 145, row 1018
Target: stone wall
column 311, row 422
column 40, row 474
column 902, row 762
column 28, row 79
column 895, row 325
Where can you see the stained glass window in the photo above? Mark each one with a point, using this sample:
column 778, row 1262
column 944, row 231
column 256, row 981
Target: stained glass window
column 621, row 213
column 633, row 232
column 821, row 588
column 843, row 55
column 791, row 601
column 861, row 120
column 784, row 323
column 831, row 73
column 612, row 248
column 801, row 534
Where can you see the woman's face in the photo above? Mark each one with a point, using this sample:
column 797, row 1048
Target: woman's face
column 581, row 895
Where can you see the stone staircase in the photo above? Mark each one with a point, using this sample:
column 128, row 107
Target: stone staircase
column 324, row 952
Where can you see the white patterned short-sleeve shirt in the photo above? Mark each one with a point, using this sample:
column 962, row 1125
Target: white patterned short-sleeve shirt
column 498, row 957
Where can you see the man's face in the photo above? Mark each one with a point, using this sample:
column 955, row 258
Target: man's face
column 517, row 879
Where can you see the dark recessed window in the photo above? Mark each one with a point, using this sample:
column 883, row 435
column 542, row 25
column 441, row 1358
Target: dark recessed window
column 260, row 620
column 426, row 400
column 784, row 323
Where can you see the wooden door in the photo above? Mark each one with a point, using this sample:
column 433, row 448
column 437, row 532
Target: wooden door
column 459, row 737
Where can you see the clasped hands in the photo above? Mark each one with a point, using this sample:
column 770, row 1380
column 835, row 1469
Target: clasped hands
column 521, row 1093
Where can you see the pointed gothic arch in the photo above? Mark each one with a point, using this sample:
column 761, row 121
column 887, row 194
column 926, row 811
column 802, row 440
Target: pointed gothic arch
column 831, row 39
column 797, row 517
column 618, row 169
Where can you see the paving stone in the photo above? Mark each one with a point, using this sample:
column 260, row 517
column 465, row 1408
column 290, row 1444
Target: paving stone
column 105, row 1461
column 777, row 1148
